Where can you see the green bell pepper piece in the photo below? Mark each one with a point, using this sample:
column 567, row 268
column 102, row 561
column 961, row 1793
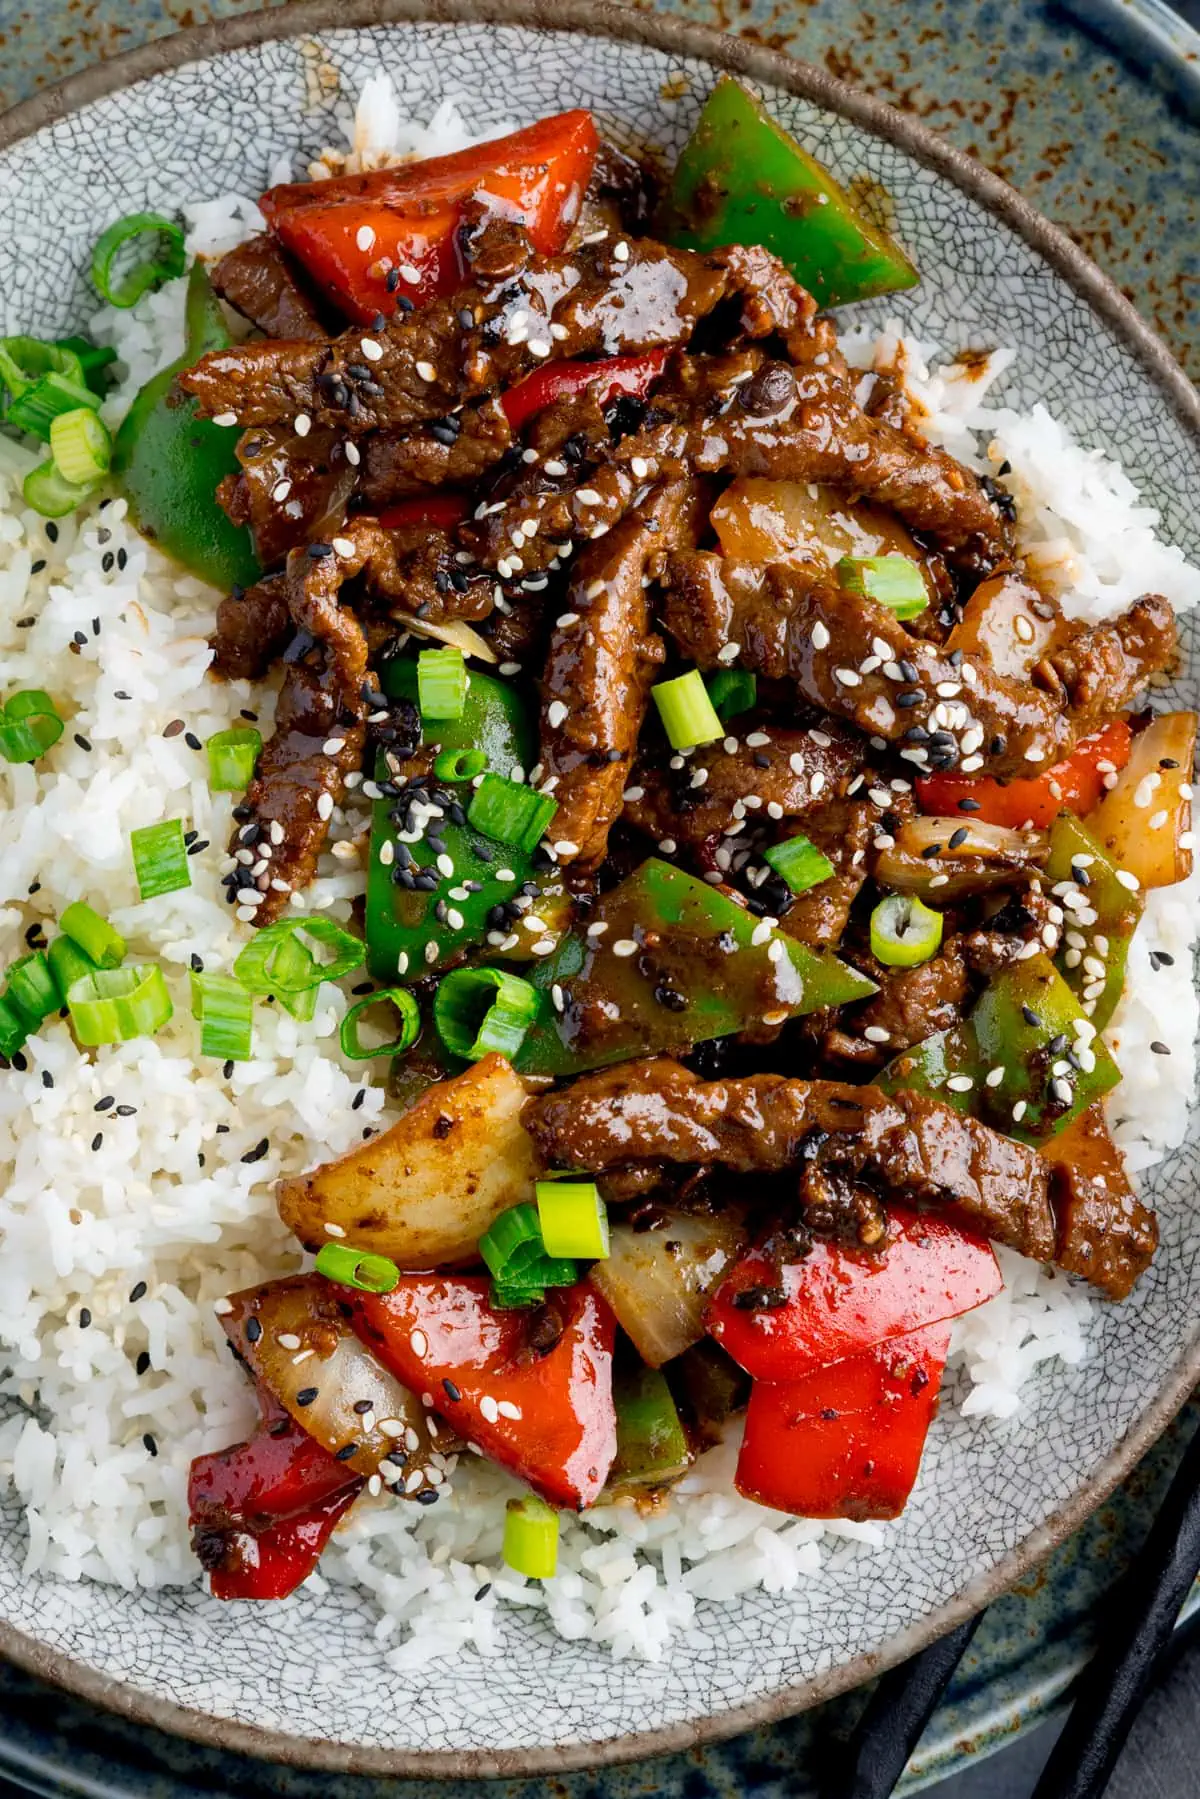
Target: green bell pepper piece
column 651, row 1446
column 402, row 921
column 1028, row 1025
column 703, row 967
column 741, row 179
column 168, row 461
column 1100, row 919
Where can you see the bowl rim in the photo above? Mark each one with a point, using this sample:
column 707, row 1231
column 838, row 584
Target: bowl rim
column 739, row 56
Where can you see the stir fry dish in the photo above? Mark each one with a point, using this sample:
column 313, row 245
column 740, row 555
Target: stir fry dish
column 755, row 844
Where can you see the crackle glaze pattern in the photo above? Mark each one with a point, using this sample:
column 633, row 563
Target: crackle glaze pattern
column 213, row 127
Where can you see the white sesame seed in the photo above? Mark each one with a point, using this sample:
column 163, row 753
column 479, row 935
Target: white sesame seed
column 222, row 1307
column 760, row 934
column 565, row 847
column 556, row 468
column 1033, row 754
column 1019, row 1111
column 729, row 652
column 539, row 346
column 427, row 371
column 432, row 953
column 556, row 712
column 454, row 918
column 281, row 490
column 402, row 962
column 372, row 350
column 557, row 331
column 849, row 677
column 505, row 874
column 225, row 418
column 333, row 1230
column 820, row 636
column 1127, row 880
column 587, row 496
column 699, row 777
column 353, row 454
column 565, row 620
column 598, row 929
column 409, row 273
column 489, row 1409
column 507, row 1409
column 947, row 690
column 325, row 806
column 960, row 1083
column 639, row 468
column 621, row 252
column 994, row 1077
column 333, row 746
column 445, row 866
column 875, row 1033
column 624, row 946
column 544, row 946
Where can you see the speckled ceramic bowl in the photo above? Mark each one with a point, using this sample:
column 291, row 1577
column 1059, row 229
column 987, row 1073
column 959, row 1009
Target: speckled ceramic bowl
column 203, row 114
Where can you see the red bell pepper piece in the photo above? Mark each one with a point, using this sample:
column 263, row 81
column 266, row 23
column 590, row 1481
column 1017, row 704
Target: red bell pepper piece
column 843, row 1301
column 352, row 232
column 549, row 1416
column 1077, row 784
column 440, row 511
column 613, row 376
column 264, row 1509
column 846, row 1442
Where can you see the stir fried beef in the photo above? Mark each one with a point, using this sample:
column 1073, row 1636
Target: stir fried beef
column 1102, row 670
column 253, row 627
column 912, row 1004
column 601, row 660
column 258, row 280
column 790, row 623
column 766, row 774
column 291, row 488
column 843, row 832
column 451, row 452
column 913, row 1146
column 419, row 365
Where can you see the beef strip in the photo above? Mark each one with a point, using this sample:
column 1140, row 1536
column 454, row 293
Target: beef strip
column 804, row 424
column 602, row 658
column 253, row 627
column 259, row 281
column 1105, row 1233
column 1101, row 670
column 540, row 520
column 911, row 1146
column 1026, row 914
column 912, row 1004
column 797, row 623
column 452, row 452
column 291, row 489
column 842, row 831
column 318, row 739
column 420, row 365
column 768, row 766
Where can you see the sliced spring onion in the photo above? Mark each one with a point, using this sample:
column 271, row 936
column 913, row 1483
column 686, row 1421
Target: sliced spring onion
column 573, row 1219
column 81, row 445
column 688, row 714
column 506, row 1298
column 266, row 967
column 116, row 1004
column 231, row 758
column 94, row 935
column 511, row 1243
column 441, row 683
column 481, row 1010
column 893, row 581
column 36, row 409
column 32, row 988
column 24, row 360
column 410, row 1025
column 49, row 493
column 531, row 1537
column 94, row 360
column 293, row 962
column 510, row 812
column 29, row 726
column 225, row 1012
column 552, row 1271
column 355, row 1268
column 732, row 690
column 160, row 858
column 904, row 931
column 13, row 1030
column 799, row 862
column 459, row 765
column 167, row 260
column 68, row 964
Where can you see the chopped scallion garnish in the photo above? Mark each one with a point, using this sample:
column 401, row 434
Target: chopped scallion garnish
column 94, row 935
column 116, row 1004
column 94, row 360
column 14, row 1032
column 688, row 714
column 267, row 966
column 168, row 259
column 441, row 683
column 24, row 360
column 355, row 1268
column 904, row 931
column 531, row 1537
column 732, row 690
column 893, row 581
column 48, row 491
column 511, row 812
column 231, row 758
column 160, row 858
column 50, row 398
column 225, row 1013
column 410, row 1025
column 68, row 964
column 478, row 1011
column 573, row 1219
column 512, row 1243
column 459, row 765
column 81, row 445
column 799, row 862
column 32, row 988
column 29, row 726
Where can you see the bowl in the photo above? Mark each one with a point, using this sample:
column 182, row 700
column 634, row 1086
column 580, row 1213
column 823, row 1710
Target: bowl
column 206, row 113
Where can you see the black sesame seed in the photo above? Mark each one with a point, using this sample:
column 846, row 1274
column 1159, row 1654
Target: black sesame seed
column 930, row 850
column 363, row 1405
column 910, row 698
column 23, row 624
column 1159, row 1049
column 131, row 1112
column 345, row 1452
column 102, row 1105
column 1080, row 876
column 192, row 741
column 120, row 694
column 47, row 1078
column 33, row 933
column 85, row 1318
column 80, row 638
column 97, row 1140
column 38, row 566
column 1057, row 1045
column 451, row 1391
column 149, row 1443
column 483, row 1591
column 428, row 1496
column 107, row 562
column 52, row 531
column 122, row 559
column 227, row 1070
column 358, row 1099
column 197, row 963
column 136, row 1293
column 174, row 728
column 253, row 1330
column 1166, row 960
column 958, row 837
column 82, row 741
column 142, row 1363
column 258, row 1152
column 1030, row 1016
column 306, row 1395
column 202, row 843
column 18, row 1061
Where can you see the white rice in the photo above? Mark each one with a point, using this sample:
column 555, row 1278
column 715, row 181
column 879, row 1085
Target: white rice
column 164, row 1196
